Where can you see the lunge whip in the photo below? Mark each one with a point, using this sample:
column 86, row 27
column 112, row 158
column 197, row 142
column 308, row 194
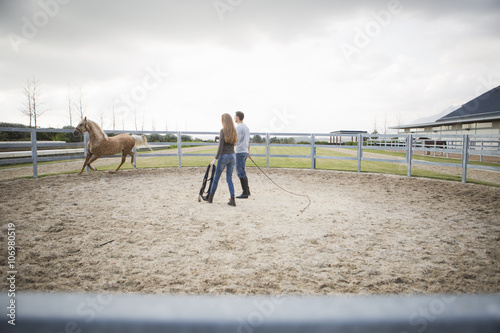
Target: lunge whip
column 300, row 195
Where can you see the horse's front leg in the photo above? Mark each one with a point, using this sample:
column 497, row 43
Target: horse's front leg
column 89, row 155
column 92, row 159
column 90, row 152
column 91, row 167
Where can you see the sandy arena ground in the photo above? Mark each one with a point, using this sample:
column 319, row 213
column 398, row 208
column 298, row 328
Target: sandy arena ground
column 362, row 234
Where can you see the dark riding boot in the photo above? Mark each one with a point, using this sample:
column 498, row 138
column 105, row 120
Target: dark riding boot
column 232, row 202
column 247, row 188
column 210, row 198
column 244, row 184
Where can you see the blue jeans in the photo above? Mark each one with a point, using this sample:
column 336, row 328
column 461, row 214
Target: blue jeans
column 241, row 159
column 226, row 160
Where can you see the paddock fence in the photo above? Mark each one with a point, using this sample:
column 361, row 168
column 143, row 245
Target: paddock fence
column 454, row 150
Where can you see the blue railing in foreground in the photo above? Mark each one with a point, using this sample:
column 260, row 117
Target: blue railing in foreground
column 49, row 312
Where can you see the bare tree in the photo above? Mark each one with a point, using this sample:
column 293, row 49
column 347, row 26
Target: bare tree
column 101, row 117
column 28, row 108
column 79, row 104
column 399, row 119
column 375, row 131
column 34, row 106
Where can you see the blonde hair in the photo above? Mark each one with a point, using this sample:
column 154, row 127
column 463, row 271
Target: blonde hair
column 230, row 134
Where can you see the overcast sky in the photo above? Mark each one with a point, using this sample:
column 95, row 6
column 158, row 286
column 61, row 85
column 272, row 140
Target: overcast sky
column 290, row 65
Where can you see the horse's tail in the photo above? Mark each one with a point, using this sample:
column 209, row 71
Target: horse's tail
column 145, row 141
column 136, row 140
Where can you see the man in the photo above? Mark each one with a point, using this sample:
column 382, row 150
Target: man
column 242, row 150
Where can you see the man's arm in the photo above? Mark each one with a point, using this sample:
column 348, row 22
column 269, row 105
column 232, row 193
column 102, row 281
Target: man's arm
column 249, row 144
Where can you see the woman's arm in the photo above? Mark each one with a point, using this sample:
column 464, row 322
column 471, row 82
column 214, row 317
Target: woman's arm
column 221, row 145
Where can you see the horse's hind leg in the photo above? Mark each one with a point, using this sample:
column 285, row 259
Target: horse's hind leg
column 132, row 158
column 124, row 156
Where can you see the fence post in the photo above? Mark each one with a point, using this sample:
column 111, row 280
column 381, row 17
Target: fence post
column 34, row 153
column 360, row 151
column 465, row 157
column 481, row 155
column 267, row 150
column 313, row 151
column 135, row 157
column 409, row 153
column 179, row 148
column 85, row 152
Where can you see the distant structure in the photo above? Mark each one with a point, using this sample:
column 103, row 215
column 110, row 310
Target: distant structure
column 336, row 136
column 478, row 116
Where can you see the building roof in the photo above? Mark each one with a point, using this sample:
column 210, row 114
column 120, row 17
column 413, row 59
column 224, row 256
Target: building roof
column 348, row 132
column 485, row 106
column 482, row 108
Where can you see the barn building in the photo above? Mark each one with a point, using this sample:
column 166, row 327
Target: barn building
column 481, row 115
column 336, row 136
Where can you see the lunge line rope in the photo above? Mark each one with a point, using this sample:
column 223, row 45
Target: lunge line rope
column 300, row 195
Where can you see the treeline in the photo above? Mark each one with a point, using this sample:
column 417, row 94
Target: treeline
column 155, row 137
column 40, row 136
column 259, row 139
column 69, row 137
column 172, row 138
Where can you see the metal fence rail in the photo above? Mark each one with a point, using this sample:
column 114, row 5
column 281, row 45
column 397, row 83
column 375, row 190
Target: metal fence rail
column 155, row 313
column 459, row 145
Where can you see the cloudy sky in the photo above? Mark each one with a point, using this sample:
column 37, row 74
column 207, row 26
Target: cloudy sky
column 290, row 65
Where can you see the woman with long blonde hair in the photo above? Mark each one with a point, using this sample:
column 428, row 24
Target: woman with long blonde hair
column 225, row 157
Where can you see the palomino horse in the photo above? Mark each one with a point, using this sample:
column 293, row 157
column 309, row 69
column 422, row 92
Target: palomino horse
column 100, row 144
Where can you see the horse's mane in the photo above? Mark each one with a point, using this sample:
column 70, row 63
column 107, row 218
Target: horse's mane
column 98, row 127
